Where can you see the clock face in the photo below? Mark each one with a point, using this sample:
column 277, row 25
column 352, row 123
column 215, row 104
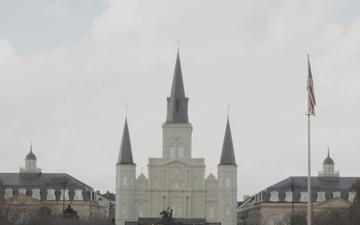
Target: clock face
column 176, row 171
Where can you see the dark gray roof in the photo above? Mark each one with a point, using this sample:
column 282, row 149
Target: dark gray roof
column 125, row 155
column 340, row 184
column 177, row 103
column 31, row 155
column 227, row 154
column 44, row 181
column 328, row 160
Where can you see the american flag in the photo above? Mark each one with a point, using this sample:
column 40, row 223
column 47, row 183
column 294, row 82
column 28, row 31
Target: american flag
column 311, row 94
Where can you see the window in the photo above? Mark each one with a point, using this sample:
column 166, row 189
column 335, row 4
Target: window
column 211, row 211
column 288, row 196
column 36, row 193
column 132, row 181
column 181, row 152
column 352, row 196
column 227, row 182
column 66, row 194
column 320, row 196
column 22, row 191
column 50, row 194
column 141, row 209
column 172, row 152
column 177, row 105
column 336, row 194
column 227, row 210
column 156, row 182
column 8, row 193
column 221, row 182
column 124, row 181
column 123, row 208
column 78, row 195
column 274, row 196
column 303, row 196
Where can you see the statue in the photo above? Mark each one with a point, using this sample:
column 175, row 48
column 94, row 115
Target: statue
column 166, row 217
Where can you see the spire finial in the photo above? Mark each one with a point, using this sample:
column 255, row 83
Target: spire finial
column 31, row 146
column 328, row 151
column 126, row 106
column 142, row 170
column 178, row 43
column 210, row 169
column 228, row 111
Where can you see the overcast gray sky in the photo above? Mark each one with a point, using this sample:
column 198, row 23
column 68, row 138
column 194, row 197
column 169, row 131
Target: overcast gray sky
column 67, row 68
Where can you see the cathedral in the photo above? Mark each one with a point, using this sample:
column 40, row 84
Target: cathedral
column 176, row 182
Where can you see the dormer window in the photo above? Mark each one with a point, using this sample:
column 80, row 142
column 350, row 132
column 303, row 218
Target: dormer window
column 177, row 105
column 288, row 196
column 66, row 194
column 36, row 193
column 78, row 195
column 320, row 196
column 274, row 196
column 50, row 194
column 303, row 196
column 22, row 191
column 8, row 193
column 352, row 196
column 336, row 194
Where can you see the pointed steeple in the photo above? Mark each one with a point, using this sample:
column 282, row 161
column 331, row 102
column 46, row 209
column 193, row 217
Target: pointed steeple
column 177, row 103
column 227, row 154
column 125, row 155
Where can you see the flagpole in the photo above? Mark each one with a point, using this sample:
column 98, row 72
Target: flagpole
column 309, row 175
column 311, row 112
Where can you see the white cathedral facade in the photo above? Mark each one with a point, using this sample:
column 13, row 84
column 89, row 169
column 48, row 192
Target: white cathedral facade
column 176, row 180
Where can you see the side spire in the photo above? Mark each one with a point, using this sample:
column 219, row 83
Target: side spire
column 125, row 155
column 177, row 103
column 227, row 154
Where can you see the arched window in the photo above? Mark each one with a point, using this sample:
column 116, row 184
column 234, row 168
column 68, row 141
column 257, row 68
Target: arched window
column 177, row 105
column 124, row 181
column 211, row 211
column 227, row 182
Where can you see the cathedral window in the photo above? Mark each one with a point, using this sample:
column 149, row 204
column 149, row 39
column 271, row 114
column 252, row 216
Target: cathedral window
column 172, row 152
column 211, row 211
column 336, row 194
column 156, row 182
column 8, row 193
column 50, row 194
column 22, row 191
column 124, row 181
column 36, row 193
column 123, row 208
column 320, row 196
column 181, row 152
column 303, row 196
column 352, row 196
column 78, row 195
column 177, row 105
column 288, row 196
column 274, row 196
column 227, row 210
column 66, row 194
column 227, row 182
column 141, row 210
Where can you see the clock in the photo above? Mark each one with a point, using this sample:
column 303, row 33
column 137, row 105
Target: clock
column 176, row 171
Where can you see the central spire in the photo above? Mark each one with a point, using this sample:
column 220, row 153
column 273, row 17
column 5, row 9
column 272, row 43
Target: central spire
column 177, row 103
